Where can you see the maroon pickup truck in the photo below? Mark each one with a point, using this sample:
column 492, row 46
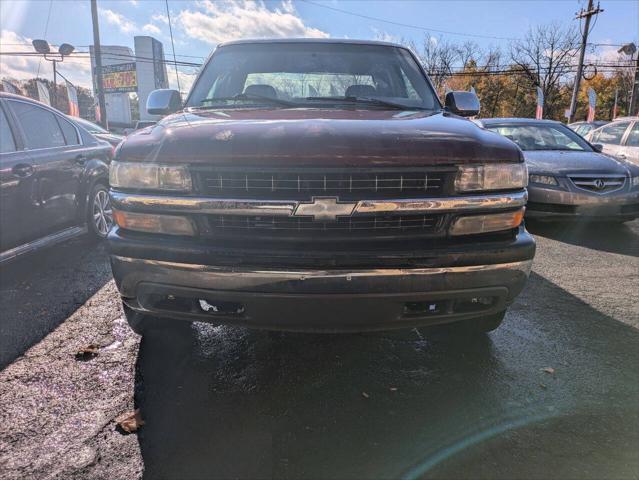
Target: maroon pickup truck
column 317, row 185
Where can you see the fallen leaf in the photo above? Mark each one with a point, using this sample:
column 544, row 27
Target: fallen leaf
column 393, row 389
column 87, row 353
column 130, row 421
column 543, row 386
column 365, row 395
column 548, row 370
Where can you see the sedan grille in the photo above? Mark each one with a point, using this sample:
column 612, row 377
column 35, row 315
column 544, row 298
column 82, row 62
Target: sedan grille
column 598, row 184
column 305, row 184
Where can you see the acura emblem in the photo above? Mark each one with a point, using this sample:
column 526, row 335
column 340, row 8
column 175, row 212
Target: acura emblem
column 600, row 184
column 324, row 209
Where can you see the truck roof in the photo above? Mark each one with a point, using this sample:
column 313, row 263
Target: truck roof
column 309, row 40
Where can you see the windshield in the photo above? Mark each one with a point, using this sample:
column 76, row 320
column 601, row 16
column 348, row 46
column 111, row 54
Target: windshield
column 542, row 137
column 90, row 126
column 312, row 74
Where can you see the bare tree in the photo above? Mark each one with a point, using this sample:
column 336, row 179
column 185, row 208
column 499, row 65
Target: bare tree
column 544, row 57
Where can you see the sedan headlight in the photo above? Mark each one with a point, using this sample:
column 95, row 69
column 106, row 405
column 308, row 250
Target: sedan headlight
column 543, row 179
column 635, row 181
column 149, row 176
column 498, row 176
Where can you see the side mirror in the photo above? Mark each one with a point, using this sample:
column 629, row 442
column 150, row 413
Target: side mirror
column 598, row 147
column 465, row 104
column 163, row 102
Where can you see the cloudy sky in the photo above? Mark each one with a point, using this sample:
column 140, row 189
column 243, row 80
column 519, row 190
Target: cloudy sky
column 199, row 25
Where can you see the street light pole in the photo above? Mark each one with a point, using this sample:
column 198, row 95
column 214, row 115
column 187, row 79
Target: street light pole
column 97, row 52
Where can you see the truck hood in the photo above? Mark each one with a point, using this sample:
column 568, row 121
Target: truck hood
column 316, row 137
column 562, row 162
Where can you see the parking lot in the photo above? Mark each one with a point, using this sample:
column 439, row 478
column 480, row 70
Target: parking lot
column 553, row 393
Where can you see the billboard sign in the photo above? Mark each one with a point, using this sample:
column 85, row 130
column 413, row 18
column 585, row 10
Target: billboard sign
column 120, row 78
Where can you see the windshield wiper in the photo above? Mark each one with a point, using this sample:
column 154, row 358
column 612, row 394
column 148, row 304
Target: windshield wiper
column 369, row 101
column 250, row 96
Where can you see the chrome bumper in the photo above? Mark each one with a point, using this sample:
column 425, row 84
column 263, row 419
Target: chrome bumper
column 286, row 208
column 313, row 300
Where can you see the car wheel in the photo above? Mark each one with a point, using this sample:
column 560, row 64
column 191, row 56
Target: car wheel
column 142, row 324
column 100, row 212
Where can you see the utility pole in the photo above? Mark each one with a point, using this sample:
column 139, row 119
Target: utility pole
column 587, row 14
column 632, row 109
column 97, row 52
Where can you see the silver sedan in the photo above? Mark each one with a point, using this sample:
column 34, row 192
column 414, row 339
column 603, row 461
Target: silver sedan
column 568, row 177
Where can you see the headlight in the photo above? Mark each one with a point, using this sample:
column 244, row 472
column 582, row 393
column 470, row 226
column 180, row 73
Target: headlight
column 149, row 176
column 505, row 176
column 543, row 179
column 635, row 181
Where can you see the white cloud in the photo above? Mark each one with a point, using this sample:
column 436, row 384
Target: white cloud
column 77, row 70
column 134, row 2
column 384, row 36
column 219, row 21
column 152, row 29
column 159, row 18
column 186, row 79
column 119, row 20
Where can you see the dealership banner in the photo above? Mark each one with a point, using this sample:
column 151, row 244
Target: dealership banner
column 539, row 113
column 74, row 106
column 592, row 103
column 43, row 93
column 120, row 78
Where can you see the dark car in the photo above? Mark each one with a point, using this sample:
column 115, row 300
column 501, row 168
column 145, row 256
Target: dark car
column 583, row 128
column 317, row 186
column 97, row 131
column 53, row 178
column 568, row 177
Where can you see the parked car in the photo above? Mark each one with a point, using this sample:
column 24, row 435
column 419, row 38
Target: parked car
column 582, row 128
column 568, row 177
column 317, row 186
column 53, row 178
column 619, row 139
column 97, row 131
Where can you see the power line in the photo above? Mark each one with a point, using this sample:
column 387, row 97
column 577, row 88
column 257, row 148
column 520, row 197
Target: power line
column 168, row 17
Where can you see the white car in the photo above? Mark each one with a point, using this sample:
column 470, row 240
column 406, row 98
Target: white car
column 619, row 138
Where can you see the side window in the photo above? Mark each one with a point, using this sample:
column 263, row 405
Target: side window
column 70, row 133
column 41, row 129
column 612, row 134
column 7, row 142
column 633, row 136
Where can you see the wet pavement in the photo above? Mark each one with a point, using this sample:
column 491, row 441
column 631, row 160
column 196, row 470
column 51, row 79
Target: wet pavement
column 554, row 393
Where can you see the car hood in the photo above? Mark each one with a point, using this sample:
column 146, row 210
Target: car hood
column 562, row 162
column 326, row 137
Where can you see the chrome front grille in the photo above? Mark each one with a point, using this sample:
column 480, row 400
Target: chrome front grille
column 304, row 184
column 343, row 226
column 598, row 184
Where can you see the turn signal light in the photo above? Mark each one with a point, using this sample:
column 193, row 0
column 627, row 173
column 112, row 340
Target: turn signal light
column 494, row 222
column 143, row 222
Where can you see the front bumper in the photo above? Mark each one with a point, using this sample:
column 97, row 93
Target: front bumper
column 550, row 203
column 329, row 300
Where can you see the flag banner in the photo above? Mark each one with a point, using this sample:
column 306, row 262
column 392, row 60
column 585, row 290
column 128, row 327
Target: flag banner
column 10, row 87
column 98, row 117
column 74, row 106
column 539, row 114
column 592, row 103
column 472, row 90
column 43, row 93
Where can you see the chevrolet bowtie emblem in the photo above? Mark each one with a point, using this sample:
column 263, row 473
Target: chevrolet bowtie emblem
column 324, row 209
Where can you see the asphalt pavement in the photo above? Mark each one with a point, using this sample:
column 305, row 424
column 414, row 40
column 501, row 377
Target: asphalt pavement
column 553, row 393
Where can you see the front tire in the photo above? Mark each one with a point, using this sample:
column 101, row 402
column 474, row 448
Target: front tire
column 99, row 212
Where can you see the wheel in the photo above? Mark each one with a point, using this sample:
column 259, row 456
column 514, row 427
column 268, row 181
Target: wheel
column 143, row 324
column 472, row 326
column 99, row 213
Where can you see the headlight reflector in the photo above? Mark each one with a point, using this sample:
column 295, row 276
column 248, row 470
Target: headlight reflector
column 635, row 181
column 498, row 176
column 493, row 222
column 150, row 176
column 150, row 223
column 543, row 179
